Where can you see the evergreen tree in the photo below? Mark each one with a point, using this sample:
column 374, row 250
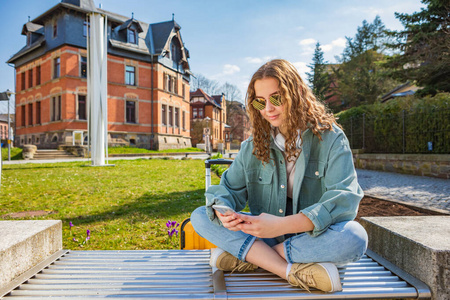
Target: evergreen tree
column 318, row 77
column 424, row 46
column 360, row 77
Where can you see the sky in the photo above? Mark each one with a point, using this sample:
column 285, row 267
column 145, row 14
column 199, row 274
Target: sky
column 228, row 40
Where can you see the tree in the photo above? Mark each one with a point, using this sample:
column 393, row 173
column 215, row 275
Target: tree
column 231, row 92
column 424, row 46
column 319, row 78
column 360, row 76
column 210, row 87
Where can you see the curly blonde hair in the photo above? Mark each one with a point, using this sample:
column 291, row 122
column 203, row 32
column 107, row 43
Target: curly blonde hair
column 301, row 109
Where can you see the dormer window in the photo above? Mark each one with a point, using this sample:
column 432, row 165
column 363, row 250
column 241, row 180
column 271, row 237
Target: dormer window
column 55, row 29
column 86, row 28
column 132, row 36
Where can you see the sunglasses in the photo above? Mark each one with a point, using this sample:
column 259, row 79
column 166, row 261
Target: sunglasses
column 260, row 103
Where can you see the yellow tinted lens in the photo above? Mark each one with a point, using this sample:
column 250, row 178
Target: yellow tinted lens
column 275, row 100
column 259, row 104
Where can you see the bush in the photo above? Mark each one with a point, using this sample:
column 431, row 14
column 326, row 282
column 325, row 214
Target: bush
column 218, row 169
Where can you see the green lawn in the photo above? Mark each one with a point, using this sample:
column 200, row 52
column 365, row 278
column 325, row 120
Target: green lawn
column 124, row 207
column 16, row 153
column 127, row 149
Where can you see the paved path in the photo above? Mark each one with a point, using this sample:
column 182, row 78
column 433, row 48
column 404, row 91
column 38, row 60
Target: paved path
column 421, row 191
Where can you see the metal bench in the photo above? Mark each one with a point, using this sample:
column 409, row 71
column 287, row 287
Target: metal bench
column 186, row 274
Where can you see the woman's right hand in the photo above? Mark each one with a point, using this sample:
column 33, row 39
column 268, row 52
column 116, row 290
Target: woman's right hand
column 229, row 221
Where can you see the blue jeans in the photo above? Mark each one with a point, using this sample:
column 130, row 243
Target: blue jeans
column 341, row 243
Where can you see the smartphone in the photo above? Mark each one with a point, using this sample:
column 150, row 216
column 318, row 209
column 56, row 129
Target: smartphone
column 224, row 210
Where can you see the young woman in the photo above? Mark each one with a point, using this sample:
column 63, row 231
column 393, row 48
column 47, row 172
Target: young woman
column 297, row 176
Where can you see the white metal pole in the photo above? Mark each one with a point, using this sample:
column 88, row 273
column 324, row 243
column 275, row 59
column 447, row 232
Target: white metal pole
column 9, row 130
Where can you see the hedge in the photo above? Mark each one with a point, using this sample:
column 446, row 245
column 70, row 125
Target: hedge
column 402, row 125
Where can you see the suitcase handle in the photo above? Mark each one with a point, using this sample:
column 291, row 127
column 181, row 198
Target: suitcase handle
column 208, row 163
column 218, row 161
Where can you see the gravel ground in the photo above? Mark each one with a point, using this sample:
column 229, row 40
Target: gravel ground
column 427, row 192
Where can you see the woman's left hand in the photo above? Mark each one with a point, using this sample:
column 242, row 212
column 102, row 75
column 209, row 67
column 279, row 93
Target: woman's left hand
column 262, row 226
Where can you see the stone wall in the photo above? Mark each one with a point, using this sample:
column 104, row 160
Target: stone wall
column 433, row 165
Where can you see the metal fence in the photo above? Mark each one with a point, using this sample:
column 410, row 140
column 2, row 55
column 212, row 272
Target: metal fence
column 405, row 132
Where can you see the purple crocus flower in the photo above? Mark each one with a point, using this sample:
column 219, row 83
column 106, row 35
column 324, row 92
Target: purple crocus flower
column 70, row 224
column 88, row 232
column 171, row 228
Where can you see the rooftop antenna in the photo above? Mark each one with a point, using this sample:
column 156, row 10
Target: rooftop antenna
column 132, row 15
column 173, row 16
column 29, row 19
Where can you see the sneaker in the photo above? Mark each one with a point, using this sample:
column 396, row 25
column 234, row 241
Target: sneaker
column 322, row 276
column 224, row 261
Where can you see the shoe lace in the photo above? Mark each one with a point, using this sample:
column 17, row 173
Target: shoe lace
column 303, row 278
column 244, row 267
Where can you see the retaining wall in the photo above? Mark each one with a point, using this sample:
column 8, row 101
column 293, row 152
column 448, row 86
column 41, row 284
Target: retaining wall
column 432, row 165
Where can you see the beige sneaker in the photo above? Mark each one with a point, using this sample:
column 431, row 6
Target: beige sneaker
column 322, row 276
column 224, row 261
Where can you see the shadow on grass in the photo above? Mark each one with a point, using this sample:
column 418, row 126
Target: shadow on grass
column 159, row 206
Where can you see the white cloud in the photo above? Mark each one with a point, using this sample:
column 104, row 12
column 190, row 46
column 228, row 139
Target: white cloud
column 254, row 60
column 340, row 42
column 230, row 69
column 306, row 42
column 337, row 43
column 259, row 60
column 302, row 68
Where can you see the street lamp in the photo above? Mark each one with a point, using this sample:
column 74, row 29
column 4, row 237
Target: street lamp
column 5, row 96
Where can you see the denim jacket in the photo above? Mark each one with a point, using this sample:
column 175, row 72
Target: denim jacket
column 325, row 188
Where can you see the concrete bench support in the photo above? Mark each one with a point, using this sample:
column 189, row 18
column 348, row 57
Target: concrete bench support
column 418, row 245
column 23, row 244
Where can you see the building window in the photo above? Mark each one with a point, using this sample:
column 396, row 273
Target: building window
column 163, row 114
column 177, row 117
column 55, row 29
column 83, row 66
column 170, row 116
column 30, row 78
column 56, row 108
column 200, row 112
column 183, row 87
column 184, row 120
column 170, row 83
column 131, row 112
column 132, row 36
column 38, row 112
column 86, row 27
column 130, row 75
column 23, row 81
column 30, row 114
column 23, row 115
column 56, row 67
column 38, row 75
column 82, row 107
column 194, row 113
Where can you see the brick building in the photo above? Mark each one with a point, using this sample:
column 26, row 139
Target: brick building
column 3, row 128
column 240, row 127
column 204, row 106
column 148, row 80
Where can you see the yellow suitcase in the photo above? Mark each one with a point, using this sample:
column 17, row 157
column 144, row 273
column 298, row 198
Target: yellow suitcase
column 189, row 239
